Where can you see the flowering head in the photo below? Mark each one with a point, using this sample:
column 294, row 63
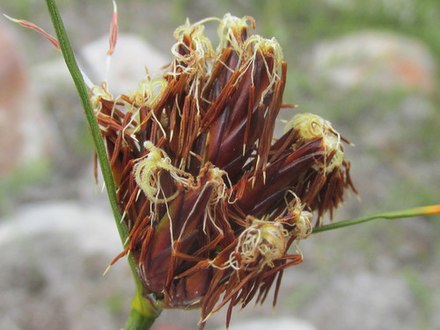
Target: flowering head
column 211, row 199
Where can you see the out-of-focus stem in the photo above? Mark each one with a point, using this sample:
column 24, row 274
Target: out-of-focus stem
column 139, row 316
column 77, row 77
column 142, row 315
column 392, row 215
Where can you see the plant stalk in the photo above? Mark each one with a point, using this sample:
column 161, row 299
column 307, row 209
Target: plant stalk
column 144, row 312
column 392, row 215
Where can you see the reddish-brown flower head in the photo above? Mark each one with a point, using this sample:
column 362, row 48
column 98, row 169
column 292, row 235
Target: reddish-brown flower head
column 211, row 199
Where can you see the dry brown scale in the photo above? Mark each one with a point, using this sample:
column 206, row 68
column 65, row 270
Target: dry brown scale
column 211, row 200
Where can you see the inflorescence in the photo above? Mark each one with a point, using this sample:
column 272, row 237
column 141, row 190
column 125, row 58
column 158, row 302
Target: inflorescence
column 211, row 199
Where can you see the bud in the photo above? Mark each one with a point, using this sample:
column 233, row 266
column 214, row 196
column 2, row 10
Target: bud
column 211, row 200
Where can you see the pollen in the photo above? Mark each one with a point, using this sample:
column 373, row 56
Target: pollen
column 260, row 244
column 147, row 174
column 148, row 93
column 192, row 51
column 310, row 126
column 233, row 30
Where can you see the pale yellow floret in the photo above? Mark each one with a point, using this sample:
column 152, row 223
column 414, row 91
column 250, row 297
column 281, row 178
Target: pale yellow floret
column 263, row 242
column 268, row 47
column 303, row 224
column 302, row 220
column 229, row 31
column 255, row 45
column 147, row 172
column 149, row 92
column 310, row 126
column 147, row 176
column 97, row 93
column 196, row 57
column 219, row 194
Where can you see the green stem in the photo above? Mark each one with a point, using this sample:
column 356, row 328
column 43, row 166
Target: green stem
column 139, row 317
column 392, row 215
column 81, row 87
column 137, row 321
column 142, row 315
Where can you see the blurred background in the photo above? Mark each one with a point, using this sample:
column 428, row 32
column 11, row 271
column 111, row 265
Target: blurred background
column 371, row 68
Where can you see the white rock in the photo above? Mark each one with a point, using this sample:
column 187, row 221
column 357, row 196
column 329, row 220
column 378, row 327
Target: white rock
column 363, row 301
column 375, row 60
column 53, row 256
column 128, row 63
column 91, row 227
column 55, row 85
column 127, row 67
column 278, row 323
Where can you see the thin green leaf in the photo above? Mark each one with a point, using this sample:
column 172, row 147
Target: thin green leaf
column 139, row 318
column 392, row 215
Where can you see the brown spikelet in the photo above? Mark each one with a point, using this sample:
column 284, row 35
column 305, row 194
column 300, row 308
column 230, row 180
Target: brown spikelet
column 211, row 200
